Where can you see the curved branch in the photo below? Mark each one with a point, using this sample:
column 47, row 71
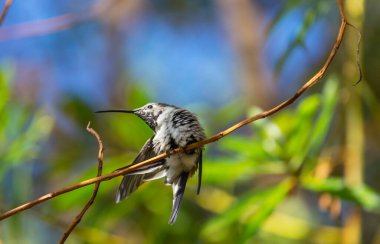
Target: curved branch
column 7, row 5
column 78, row 218
column 199, row 144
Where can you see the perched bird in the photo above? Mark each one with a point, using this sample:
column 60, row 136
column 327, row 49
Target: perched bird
column 173, row 127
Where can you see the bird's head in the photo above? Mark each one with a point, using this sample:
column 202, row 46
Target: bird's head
column 150, row 113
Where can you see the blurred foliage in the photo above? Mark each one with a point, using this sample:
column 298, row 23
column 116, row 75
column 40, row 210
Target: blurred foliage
column 22, row 138
column 287, row 144
column 261, row 183
column 245, row 217
column 230, row 208
column 313, row 10
column 362, row 195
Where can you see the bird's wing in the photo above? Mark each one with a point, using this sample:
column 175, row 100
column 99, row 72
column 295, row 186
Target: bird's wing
column 179, row 186
column 134, row 179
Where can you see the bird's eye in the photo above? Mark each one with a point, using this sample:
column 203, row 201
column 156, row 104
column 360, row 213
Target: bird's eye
column 150, row 106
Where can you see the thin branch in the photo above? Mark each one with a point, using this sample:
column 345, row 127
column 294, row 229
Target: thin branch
column 199, row 144
column 45, row 26
column 50, row 25
column 100, row 9
column 8, row 3
column 78, row 218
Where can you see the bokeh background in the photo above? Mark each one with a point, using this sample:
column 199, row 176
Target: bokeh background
column 309, row 174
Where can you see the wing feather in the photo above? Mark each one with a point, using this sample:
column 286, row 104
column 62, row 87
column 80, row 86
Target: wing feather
column 133, row 180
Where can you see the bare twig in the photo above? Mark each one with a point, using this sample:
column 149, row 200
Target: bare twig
column 8, row 3
column 214, row 138
column 49, row 25
column 46, row 26
column 78, row 218
column 65, row 21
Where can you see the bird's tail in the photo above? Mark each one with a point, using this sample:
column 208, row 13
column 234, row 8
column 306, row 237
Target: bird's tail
column 179, row 186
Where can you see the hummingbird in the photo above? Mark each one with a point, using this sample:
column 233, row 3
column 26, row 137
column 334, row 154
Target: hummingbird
column 173, row 127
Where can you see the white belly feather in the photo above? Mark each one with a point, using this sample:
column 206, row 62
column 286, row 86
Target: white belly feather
column 179, row 163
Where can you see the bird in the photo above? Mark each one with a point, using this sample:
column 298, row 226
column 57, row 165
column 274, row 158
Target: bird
column 173, row 127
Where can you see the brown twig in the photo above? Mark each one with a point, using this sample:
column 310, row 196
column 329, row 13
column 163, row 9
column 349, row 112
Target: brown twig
column 214, row 138
column 78, row 218
column 8, row 3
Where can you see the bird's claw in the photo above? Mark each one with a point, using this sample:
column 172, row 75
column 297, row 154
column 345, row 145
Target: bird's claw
column 187, row 151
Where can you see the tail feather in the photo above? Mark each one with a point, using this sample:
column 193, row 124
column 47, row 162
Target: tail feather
column 199, row 173
column 178, row 190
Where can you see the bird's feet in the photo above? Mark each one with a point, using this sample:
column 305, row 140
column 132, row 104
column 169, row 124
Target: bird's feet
column 188, row 151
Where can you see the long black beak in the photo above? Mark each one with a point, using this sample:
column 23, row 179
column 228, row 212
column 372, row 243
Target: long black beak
column 116, row 111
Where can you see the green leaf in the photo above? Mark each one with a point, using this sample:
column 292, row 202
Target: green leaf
column 288, row 6
column 301, row 121
column 320, row 129
column 299, row 40
column 312, row 126
column 5, row 78
column 26, row 145
column 329, row 101
column 314, row 9
column 270, row 202
column 362, row 195
column 245, row 148
column 249, row 212
column 225, row 171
